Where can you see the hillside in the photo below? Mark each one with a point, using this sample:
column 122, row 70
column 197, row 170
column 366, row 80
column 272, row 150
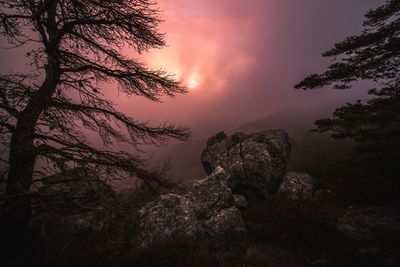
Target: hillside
column 309, row 149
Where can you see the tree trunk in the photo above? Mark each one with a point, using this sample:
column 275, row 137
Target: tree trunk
column 17, row 211
column 16, row 214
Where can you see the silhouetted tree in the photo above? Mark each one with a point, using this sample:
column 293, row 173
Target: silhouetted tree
column 75, row 49
column 374, row 124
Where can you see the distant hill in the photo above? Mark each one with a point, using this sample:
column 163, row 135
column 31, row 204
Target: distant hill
column 309, row 149
column 294, row 121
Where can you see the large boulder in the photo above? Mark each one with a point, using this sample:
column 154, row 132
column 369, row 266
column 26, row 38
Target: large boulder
column 202, row 210
column 297, row 186
column 169, row 217
column 210, row 195
column 224, row 227
column 256, row 163
column 374, row 232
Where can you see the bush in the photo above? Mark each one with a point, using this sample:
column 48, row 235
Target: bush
column 295, row 233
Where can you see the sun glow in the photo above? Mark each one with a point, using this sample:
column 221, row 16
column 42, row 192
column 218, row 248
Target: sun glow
column 193, row 81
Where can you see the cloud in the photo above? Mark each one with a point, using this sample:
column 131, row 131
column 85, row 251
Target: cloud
column 241, row 58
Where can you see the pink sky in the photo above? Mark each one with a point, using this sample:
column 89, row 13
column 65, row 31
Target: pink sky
column 207, row 49
column 242, row 58
column 202, row 50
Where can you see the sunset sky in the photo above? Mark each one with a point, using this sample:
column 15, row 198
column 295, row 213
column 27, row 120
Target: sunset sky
column 240, row 59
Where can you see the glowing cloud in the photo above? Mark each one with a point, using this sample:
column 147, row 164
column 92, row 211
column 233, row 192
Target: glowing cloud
column 202, row 52
column 193, row 81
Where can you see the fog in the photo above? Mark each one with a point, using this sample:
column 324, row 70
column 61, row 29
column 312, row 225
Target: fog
column 240, row 60
column 244, row 58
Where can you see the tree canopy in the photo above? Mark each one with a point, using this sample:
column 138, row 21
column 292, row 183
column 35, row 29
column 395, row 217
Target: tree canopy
column 373, row 55
column 75, row 53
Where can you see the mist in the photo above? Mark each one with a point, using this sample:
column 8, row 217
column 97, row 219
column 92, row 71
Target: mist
column 245, row 58
column 240, row 61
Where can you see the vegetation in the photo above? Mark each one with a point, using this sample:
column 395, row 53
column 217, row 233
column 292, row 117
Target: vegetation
column 75, row 51
column 374, row 124
column 281, row 232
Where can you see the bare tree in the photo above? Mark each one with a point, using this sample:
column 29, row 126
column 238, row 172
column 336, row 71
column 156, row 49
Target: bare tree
column 75, row 50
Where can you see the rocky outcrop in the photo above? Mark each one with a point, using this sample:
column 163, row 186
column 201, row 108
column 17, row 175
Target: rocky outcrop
column 169, row 217
column 203, row 211
column 210, row 195
column 256, row 163
column 297, row 186
column 374, row 232
column 224, row 227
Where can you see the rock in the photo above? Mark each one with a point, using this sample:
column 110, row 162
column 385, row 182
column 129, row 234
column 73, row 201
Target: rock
column 169, row 217
column 297, row 186
column 240, row 201
column 223, row 228
column 256, row 163
column 374, row 232
column 216, row 138
column 202, row 210
column 77, row 198
column 208, row 196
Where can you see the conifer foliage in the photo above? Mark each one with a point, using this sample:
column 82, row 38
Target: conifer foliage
column 374, row 55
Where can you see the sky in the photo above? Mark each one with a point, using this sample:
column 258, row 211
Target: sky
column 241, row 59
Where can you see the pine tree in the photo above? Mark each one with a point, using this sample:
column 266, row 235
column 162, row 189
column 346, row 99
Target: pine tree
column 75, row 54
column 374, row 124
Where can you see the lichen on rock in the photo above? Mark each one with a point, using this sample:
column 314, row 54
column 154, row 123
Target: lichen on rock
column 297, row 186
column 256, row 163
column 204, row 210
column 169, row 217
